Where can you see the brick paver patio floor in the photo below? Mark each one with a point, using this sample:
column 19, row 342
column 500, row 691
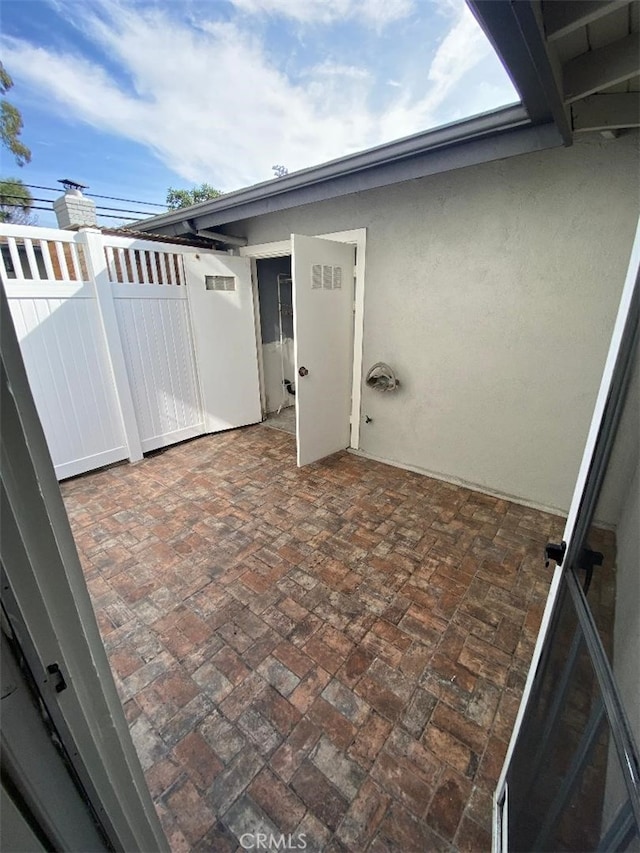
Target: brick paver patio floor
column 337, row 651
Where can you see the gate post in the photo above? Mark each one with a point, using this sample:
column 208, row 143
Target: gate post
column 99, row 274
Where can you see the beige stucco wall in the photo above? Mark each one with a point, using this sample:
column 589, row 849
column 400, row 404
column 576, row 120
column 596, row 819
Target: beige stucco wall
column 492, row 290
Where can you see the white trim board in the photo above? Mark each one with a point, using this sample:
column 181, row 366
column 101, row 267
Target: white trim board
column 277, row 249
column 357, row 236
column 258, row 325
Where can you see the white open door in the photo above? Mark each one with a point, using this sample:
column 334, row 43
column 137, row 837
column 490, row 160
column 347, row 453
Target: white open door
column 221, row 304
column 323, row 276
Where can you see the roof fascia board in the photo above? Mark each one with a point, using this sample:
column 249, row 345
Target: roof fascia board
column 518, row 38
column 507, row 144
column 487, row 123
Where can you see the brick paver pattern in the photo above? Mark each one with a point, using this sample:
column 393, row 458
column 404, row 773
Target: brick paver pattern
column 337, row 651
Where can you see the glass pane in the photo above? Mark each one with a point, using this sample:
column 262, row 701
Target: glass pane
column 614, row 539
column 618, row 828
column 565, row 784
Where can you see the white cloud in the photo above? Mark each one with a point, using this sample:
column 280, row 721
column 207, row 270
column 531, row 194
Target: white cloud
column 462, row 49
column 464, row 46
column 375, row 13
column 212, row 104
column 335, row 69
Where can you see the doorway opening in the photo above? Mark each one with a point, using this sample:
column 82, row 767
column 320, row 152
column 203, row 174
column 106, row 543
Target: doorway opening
column 275, row 301
column 323, row 331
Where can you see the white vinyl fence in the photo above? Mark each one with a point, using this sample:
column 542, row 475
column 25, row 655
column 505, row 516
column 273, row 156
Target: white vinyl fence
column 105, row 333
column 152, row 316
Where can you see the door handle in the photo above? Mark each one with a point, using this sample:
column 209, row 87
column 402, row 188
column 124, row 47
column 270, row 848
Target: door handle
column 554, row 552
column 302, row 371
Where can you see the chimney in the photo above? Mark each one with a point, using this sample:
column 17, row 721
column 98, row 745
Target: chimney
column 73, row 210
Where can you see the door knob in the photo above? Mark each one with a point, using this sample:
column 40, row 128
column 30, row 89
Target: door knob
column 302, row 371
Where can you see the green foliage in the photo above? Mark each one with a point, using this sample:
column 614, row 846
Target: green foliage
column 184, row 198
column 5, row 80
column 11, row 123
column 15, row 202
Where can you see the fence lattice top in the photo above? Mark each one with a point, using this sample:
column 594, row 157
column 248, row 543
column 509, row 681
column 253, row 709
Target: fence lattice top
column 23, row 258
column 62, row 258
column 144, row 266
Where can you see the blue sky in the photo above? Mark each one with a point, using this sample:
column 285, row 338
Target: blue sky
column 131, row 97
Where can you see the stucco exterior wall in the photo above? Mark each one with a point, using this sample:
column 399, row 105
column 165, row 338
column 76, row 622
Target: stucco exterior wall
column 492, row 291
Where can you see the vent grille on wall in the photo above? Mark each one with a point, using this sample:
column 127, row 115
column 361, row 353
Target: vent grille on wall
column 220, row 282
column 316, row 276
column 326, row 277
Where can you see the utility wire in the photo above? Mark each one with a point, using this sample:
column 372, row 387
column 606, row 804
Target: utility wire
column 95, row 195
column 98, row 206
column 101, row 215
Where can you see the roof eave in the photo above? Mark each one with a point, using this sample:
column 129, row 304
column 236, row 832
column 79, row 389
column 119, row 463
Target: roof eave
column 517, row 36
column 354, row 169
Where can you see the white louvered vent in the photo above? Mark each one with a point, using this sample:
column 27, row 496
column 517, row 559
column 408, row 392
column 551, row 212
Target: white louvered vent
column 220, row 282
column 327, row 277
column 316, row 276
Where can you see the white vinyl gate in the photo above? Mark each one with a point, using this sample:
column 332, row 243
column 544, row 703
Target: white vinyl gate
column 105, row 332
column 152, row 315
